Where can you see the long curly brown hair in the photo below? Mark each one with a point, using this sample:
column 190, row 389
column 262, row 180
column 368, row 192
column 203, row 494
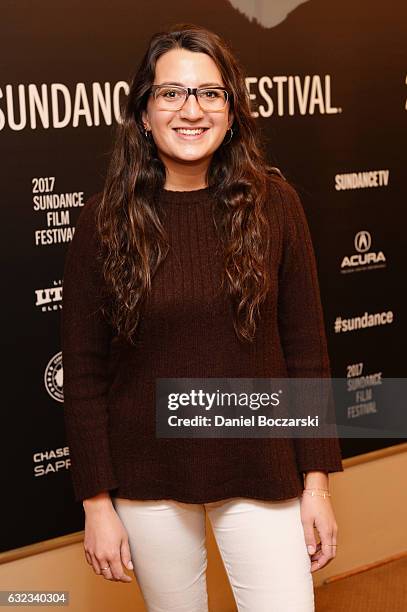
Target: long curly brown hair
column 132, row 238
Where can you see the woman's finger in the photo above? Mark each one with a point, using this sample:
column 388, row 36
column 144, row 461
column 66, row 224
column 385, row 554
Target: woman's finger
column 333, row 544
column 117, row 569
column 326, row 553
column 309, row 535
column 105, row 570
column 95, row 564
column 125, row 554
column 88, row 557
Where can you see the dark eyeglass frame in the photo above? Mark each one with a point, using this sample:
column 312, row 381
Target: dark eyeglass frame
column 194, row 92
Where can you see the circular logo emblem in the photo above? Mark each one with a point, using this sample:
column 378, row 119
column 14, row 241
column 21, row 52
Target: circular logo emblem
column 363, row 241
column 53, row 377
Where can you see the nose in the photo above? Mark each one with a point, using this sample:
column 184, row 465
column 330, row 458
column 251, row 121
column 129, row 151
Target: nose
column 191, row 108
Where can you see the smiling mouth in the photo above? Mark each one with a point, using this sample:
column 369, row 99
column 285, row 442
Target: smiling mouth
column 191, row 131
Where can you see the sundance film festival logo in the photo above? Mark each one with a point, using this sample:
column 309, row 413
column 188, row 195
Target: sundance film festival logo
column 53, row 377
column 267, row 14
column 363, row 259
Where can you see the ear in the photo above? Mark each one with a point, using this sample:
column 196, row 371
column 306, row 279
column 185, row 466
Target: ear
column 144, row 118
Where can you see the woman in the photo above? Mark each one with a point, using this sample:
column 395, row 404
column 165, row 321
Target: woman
column 195, row 261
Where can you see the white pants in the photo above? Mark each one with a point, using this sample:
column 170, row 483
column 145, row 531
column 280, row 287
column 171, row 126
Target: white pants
column 262, row 545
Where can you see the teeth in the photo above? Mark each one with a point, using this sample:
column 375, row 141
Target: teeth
column 185, row 131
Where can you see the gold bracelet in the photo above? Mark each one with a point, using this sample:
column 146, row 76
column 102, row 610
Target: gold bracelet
column 325, row 492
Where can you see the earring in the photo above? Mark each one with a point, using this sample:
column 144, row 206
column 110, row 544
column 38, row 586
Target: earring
column 145, row 132
column 231, row 136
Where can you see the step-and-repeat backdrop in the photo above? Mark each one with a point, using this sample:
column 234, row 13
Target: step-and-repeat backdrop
column 328, row 86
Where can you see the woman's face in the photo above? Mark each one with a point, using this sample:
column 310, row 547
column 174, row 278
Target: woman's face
column 190, row 69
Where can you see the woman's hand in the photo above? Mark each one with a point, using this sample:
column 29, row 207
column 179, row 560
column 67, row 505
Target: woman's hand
column 317, row 510
column 106, row 541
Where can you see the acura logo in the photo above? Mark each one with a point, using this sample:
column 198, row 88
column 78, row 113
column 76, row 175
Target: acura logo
column 363, row 241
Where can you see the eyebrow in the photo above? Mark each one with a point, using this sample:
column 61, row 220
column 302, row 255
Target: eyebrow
column 182, row 84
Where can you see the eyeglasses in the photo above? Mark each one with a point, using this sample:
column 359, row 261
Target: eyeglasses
column 173, row 97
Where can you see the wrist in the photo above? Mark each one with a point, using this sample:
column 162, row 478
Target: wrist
column 317, row 493
column 97, row 502
column 316, row 479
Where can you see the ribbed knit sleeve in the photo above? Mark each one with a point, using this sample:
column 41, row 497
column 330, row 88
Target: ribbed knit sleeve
column 301, row 323
column 85, row 339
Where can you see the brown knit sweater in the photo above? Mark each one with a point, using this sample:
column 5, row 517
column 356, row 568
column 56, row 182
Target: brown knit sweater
column 187, row 331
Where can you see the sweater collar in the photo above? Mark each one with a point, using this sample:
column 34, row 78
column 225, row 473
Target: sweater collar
column 187, row 197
